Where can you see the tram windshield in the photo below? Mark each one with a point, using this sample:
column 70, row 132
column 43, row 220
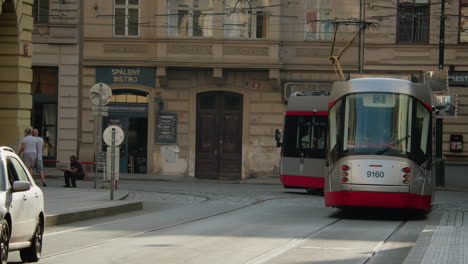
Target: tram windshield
column 305, row 136
column 380, row 124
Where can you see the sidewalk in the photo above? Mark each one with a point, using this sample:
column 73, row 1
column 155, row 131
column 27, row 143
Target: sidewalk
column 65, row 205
column 448, row 241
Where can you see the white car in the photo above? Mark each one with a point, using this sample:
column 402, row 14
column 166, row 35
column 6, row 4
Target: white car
column 21, row 209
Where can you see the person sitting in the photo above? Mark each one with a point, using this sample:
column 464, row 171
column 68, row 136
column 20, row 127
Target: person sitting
column 74, row 172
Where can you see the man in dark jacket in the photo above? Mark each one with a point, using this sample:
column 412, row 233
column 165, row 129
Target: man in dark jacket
column 74, row 172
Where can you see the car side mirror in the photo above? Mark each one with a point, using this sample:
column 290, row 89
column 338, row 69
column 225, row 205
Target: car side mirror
column 21, row 186
column 278, row 137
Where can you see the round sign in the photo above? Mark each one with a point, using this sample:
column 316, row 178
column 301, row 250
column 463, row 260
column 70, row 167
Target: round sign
column 119, row 135
column 100, row 94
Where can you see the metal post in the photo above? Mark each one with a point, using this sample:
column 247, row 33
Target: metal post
column 98, row 136
column 440, row 173
column 362, row 16
column 112, row 164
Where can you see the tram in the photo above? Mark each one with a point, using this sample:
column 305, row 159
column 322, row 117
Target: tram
column 302, row 163
column 380, row 144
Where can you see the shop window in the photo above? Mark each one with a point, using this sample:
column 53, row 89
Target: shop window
column 463, row 32
column 44, row 114
column 128, row 97
column 41, row 11
column 126, row 18
column 317, row 19
column 190, row 18
column 245, row 19
column 413, row 21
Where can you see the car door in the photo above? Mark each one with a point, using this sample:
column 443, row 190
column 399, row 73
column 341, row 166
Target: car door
column 22, row 203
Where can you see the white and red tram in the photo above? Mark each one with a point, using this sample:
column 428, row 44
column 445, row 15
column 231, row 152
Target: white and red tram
column 380, row 144
column 304, row 141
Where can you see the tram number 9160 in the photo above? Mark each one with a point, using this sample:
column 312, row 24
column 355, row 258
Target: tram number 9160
column 375, row 174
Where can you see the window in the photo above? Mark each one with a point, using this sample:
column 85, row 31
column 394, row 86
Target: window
column 129, row 97
column 190, row 18
column 16, row 172
column 44, row 89
column 245, row 19
column 126, row 18
column 317, row 16
column 305, row 136
column 413, row 21
column 463, row 31
column 41, row 11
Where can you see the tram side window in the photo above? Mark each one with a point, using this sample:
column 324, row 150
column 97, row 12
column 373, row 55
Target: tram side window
column 334, row 130
column 305, row 136
column 422, row 131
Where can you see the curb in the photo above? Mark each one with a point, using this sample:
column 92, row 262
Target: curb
column 60, row 219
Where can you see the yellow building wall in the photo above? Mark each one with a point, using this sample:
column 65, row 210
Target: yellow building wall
column 16, row 25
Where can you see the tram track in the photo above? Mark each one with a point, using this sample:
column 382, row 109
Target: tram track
column 148, row 231
column 271, row 255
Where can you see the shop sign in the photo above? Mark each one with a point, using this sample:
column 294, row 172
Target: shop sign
column 291, row 87
column 128, row 108
column 166, row 127
column 129, row 75
column 458, row 78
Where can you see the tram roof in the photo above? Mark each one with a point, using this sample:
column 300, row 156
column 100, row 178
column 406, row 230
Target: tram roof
column 381, row 85
column 305, row 101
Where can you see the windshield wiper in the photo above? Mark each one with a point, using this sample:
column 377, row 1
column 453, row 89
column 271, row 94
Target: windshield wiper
column 382, row 151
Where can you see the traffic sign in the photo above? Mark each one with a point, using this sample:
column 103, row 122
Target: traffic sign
column 103, row 113
column 119, row 135
column 103, row 108
column 100, row 94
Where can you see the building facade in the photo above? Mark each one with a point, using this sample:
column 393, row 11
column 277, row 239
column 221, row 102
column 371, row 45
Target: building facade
column 199, row 86
column 55, row 82
column 15, row 75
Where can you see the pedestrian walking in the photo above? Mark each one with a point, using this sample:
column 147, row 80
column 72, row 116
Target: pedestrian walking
column 39, row 164
column 28, row 149
column 74, row 172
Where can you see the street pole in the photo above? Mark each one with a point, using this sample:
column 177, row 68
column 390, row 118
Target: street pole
column 440, row 177
column 362, row 16
column 98, row 137
column 112, row 164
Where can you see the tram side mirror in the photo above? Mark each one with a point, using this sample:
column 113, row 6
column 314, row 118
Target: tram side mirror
column 278, row 137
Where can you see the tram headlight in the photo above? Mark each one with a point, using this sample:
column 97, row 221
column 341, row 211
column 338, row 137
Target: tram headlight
column 344, row 174
column 406, row 181
column 406, row 176
column 406, row 170
column 345, row 168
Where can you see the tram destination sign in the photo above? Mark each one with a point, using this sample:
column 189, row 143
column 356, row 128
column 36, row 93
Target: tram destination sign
column 291, row 87
column 166, row 128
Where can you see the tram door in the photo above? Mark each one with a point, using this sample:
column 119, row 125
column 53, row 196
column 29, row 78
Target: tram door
column 134, row 147
column 219, row 135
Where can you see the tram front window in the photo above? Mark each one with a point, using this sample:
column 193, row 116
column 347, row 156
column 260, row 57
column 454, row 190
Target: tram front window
column 305, row 136
column 375, row 123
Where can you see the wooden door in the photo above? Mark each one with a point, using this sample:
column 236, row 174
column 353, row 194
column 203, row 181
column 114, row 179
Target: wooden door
column 219, row 136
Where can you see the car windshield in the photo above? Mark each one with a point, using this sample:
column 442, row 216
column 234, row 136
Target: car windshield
column 380, row 124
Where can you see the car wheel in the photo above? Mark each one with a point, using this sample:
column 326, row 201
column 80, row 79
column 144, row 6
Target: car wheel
column 4, row 241
column 33, row 253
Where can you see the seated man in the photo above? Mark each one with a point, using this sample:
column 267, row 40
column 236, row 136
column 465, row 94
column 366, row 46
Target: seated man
column 74, row 172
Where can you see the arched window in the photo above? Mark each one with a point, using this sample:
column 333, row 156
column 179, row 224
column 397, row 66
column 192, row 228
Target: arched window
column 125, row 96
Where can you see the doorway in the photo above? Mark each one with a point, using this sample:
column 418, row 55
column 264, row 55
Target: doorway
column 219, row 136
column 134, row 122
